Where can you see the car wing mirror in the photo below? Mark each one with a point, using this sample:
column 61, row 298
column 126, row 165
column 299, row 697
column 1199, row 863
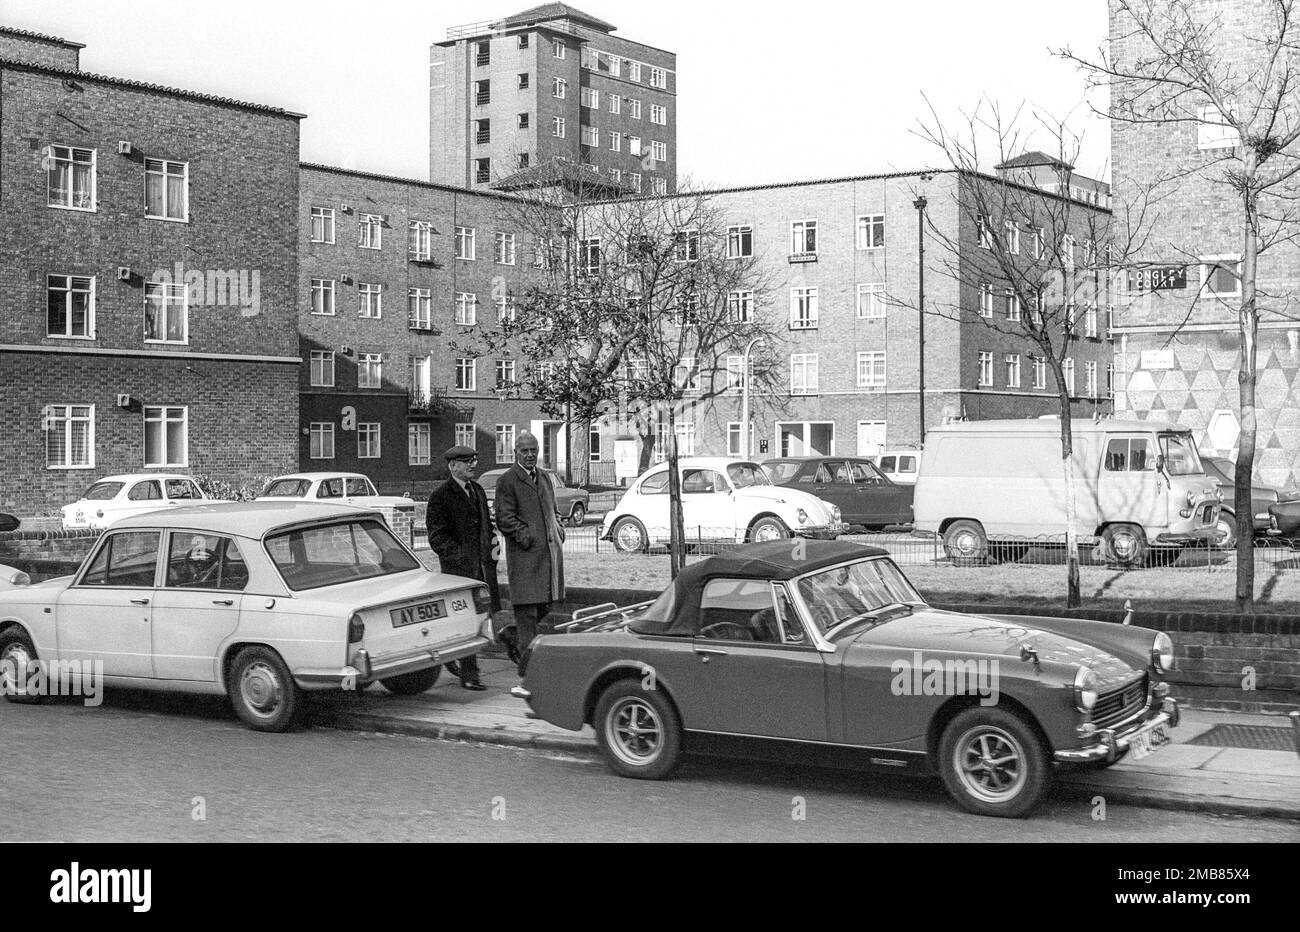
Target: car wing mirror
column 1160, row 462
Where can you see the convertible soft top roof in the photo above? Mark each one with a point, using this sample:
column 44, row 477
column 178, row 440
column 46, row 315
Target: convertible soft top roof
column 778, row 559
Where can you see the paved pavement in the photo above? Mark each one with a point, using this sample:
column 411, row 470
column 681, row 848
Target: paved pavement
column 1181, row 776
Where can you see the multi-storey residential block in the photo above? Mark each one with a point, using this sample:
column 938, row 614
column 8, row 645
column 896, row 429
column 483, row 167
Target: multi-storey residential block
column 149, row 279
column 551, row 82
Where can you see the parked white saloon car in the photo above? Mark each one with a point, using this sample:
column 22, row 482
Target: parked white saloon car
column 112, row 498
column 343, row 488
column 723, row 499
column 255, row 600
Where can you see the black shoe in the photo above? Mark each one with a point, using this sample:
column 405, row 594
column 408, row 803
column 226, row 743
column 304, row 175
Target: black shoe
column 474, row 685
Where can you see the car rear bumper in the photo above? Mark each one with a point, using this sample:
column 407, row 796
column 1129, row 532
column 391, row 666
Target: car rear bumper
column 1112, row 741
column 364, row 670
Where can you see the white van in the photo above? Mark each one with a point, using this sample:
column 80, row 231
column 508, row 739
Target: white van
column 1139, row 484
column 899, row 465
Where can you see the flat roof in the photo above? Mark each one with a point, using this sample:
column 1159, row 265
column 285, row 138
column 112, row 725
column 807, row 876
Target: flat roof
column 397, row 179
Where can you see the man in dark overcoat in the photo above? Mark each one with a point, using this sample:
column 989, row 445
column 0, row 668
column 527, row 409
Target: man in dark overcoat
column 526, row 517
column 460, row 533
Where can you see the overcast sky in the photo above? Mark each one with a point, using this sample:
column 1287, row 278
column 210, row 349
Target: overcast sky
column 767, row 91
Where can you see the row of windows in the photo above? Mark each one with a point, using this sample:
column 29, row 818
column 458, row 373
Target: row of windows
column 1011, row 373
column 321, row 441
column 1009, row 305
column 370, row 372
column 72, row 183
column 70, row 309
column 590, row 58
column 70, row 436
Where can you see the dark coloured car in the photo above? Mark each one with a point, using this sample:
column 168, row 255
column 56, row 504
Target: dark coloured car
column 825, row 650
column 570, row 502
column 8, row 523
column 1262, row 499
column 866, row 497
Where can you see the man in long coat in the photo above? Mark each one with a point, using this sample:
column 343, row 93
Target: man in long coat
column 460, row 533
column 526, row 517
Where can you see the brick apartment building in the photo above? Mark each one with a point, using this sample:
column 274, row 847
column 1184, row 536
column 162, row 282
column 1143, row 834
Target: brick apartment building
column 1178, row 349
column 551, row 82
column 148, row 279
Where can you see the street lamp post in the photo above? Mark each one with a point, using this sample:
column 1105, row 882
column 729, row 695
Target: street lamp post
column 919, row 204
column 744, row 397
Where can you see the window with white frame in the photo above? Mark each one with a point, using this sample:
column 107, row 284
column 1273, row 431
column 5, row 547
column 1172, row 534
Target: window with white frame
column 322, row 368
column 503, row 248
column 1221, row 276
column 1012, row 363
column 545, row 371
column 1090, row 320
column 421, row 384
column 559, row 48
column 686, row 246
column 983, row 231
column 593, row 445
column 1013, row 305
column 615, row 65
column 688, row 310
column 616, row 175
column 661, row 442
column 986, row 299
column 505, row 438
column 371, row 300
column 559, row 88
column 634, row 71
column 634, row 179
column 69, row 436
column 590, row 136
column 1067, row 369
column 166, row 313
column 466, row 308
column 659, row 186
column 740, row 241
column 616, row 142
column 70, row 177
column 659, row 114
column 589, row 255
column 1110, row 321
column 1213, row 131
column 685, row 438
column 803, row 237
column 658, row 150
column 506, row 308
column 322, row 224
column 803, row 373
column 70, row 306
column 322, row 296
column 1040, row 371
column 615, row 103
column 1110, row 380
column 1089, row 378
column 735, row 373
column 505, row 373
column 465, row 243
column 1067, row 250
column 590, row 98
column 740, row 306
column 466, row 374
column 986, row 368
column 419, row 309
column 871, row 231
column 466, row 436
column 558, row 127
column 419, row 443
column 368, row 440
column 736, row 439
column 803, row 308
column 524, row 80
column 370, row 370
column 1036, row 307
column 370, row 231
column 686, row 375
column 634, row 145
column 1011, row 230
column 658, row 77
column 1039, row 240
column 634, row 108
column 166, row 436
column 871, row 370
column 166, row 189
column 871, row 301
column 420, row 240
column 321, row 443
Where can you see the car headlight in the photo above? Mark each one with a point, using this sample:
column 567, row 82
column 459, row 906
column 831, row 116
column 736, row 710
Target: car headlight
column 16, row 578
column 835, row 513
column 1162, row 653
column 1085, row 689
column 802, row 516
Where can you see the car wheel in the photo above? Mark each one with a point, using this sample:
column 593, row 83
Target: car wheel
column 765, row 529
column 577, row 515
column 262, row 691
column 16, row 655
column 638, row 730
column 993, row 763
column 630, row 536
column 1125, row 544
column 966, row 543
column 412, row 684
column 1225, row 532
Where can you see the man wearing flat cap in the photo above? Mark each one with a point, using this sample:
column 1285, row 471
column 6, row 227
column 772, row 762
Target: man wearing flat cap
column 460, row 533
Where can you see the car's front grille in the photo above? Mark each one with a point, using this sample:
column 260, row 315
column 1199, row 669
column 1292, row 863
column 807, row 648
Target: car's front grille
column 1119, row 704
column 1207, row 514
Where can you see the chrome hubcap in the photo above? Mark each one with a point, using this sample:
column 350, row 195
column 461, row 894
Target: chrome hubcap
column 1125, row 546
column 990, row 764
column 767, row 531
column 1224, row 533
column 629, row 537
column 634, row 732
column 261, row 688
column 13, row 668
column 966, row 543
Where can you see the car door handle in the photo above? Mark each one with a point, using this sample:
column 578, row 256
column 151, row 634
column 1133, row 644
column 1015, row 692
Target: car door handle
column 704, row 653
column 139, row 601
column 223, row 601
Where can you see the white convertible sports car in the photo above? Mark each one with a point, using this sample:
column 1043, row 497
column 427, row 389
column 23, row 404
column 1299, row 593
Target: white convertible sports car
column 255, row 600
column 723, row 500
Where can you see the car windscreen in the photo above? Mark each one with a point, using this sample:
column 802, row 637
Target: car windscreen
column 287, row 488
column 781, row 472
column 743, row 475
column 345, row 551
column 103, row 491
column 845, row 592
column 1181, row 457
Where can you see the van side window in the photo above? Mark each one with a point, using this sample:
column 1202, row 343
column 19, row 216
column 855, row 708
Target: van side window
column 887, row 464
column 1129, row 454
column 907, row 464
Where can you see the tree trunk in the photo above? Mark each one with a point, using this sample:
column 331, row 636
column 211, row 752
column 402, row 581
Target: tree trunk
column 1248, row 321
column 676, row 530
column 1072, row 595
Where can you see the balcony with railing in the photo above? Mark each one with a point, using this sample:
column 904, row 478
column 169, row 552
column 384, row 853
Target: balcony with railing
column 428, row 401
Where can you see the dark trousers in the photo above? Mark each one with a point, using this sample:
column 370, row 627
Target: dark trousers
column 528, row 619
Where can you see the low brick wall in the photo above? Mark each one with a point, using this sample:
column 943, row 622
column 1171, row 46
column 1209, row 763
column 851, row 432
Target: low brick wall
column 45, row 548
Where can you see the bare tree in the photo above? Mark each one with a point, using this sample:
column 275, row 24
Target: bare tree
column 1037, row 256
column 636, row 304
column 1232, row 70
